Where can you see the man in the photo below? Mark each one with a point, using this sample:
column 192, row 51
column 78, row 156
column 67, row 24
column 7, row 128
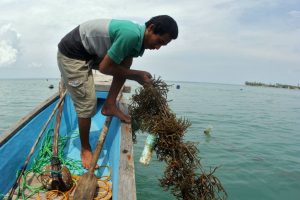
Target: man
column 108, row 45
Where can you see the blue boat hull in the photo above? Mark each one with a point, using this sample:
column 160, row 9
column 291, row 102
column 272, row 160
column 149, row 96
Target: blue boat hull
column 16, row 144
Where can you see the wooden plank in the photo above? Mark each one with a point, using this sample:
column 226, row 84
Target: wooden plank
column 127, row 187
column 105, row 86
column 23, row 121
column 103, row 82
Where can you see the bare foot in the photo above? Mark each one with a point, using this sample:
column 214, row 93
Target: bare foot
column 112, row 110
column 86, row 158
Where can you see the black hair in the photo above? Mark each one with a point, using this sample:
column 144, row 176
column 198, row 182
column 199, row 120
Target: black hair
column 163, row 24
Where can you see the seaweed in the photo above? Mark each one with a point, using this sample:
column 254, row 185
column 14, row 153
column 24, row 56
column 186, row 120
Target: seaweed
column 184, row 174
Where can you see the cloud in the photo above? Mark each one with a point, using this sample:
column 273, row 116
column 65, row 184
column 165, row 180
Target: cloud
column 8, row 54
column 214, row 33
column 9, row 44
column 294, row 18
column 295, row 13
column 35, row 65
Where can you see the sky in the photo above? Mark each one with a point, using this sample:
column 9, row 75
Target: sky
column 219, row 41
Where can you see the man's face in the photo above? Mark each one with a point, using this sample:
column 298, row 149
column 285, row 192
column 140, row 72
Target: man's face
column 155, row 41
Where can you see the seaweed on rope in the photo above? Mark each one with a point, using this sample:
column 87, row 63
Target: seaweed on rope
column 184, row 174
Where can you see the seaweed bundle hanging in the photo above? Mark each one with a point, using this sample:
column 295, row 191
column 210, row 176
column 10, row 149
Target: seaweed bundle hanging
column 183, row 175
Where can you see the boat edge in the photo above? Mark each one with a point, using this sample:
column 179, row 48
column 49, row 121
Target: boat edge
column 10, row 132
column 127, row 185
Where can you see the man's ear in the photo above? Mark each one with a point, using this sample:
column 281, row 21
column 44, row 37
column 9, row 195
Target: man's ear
column 151, row 27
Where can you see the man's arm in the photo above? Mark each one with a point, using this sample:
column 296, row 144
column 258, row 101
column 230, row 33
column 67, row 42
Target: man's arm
column 109, row 67
column 127, row 62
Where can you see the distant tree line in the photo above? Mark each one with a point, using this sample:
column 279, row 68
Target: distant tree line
column 277, row 85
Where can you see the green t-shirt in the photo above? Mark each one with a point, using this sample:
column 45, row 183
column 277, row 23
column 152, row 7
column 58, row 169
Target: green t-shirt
column 126, row 40
column 117, row 38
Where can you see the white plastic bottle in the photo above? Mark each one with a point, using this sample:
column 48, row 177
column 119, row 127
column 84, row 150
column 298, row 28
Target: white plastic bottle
column 148, row 149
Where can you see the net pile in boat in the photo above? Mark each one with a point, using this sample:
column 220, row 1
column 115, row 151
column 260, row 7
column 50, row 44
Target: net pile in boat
column 183, row 175
column 33, row 184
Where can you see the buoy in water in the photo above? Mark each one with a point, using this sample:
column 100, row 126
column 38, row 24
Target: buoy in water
column 51, row 86
column 208, row 130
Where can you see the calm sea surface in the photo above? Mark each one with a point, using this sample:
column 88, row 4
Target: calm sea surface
column 255, row 138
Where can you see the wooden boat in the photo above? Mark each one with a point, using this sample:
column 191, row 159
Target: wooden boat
column 117, row 152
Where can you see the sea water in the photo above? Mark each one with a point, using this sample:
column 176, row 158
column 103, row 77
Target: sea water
column 254, row 137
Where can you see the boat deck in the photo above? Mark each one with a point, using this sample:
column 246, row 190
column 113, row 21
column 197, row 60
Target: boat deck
column 116, row 159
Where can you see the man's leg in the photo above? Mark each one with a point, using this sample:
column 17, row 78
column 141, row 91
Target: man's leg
column 86, row 151
column 85, row 109
column 110, row 108
column 79, row 82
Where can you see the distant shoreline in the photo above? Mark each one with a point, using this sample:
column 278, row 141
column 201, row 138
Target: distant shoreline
column 277, row 85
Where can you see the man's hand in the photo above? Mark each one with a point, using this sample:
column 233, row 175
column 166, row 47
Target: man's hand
column 144, row 78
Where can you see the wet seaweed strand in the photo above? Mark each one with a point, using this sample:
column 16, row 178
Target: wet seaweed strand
column 184, row 174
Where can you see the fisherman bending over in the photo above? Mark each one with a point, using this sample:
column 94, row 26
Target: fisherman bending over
column 108, row 45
